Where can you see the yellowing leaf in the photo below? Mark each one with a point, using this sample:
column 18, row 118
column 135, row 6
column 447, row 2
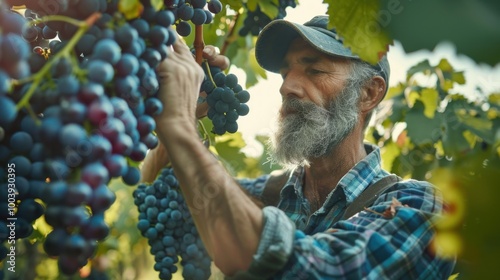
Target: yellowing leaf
column 470, row 137
column 395, row 91
column 458, row 77
column 430, row 98
column 412, row 97
column 252, row 5
column 494, row 98
column 492, row 113
column 357, row 23
column 130, row 8
column 453, row 276
column 157, row 4
column 444, row 65
column 389, row 153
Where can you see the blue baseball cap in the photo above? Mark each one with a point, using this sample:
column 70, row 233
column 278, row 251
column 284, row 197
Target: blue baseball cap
column 276, row 37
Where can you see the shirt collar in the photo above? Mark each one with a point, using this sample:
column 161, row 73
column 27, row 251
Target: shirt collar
column 353, row 183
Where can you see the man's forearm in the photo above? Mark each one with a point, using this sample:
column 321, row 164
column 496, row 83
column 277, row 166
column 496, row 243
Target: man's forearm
column 228, row 221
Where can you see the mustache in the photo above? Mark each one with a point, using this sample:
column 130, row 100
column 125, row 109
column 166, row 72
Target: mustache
column 294, row 105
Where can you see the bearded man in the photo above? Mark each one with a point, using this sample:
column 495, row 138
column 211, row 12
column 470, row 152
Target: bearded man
column 308, row 228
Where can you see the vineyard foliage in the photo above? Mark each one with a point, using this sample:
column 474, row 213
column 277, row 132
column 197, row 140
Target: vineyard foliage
column 99, row 86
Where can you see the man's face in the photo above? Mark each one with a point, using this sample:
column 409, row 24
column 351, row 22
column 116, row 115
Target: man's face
column 320, row 106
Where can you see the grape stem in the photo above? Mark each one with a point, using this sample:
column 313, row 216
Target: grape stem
column 198, row 44
column 207, row 66
column 66, row 51
column 69, row 20
column 230, row 36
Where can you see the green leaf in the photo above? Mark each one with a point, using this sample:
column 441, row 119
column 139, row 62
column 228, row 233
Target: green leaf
column 228, row 148
column 357, row 23
column 452, row 136
column 422, row 67
column 269, row 9
column 235, row 5
column 425, row 23
column 399, row 109
column 130, row 8
column 479, row 126
column 252, row 5
column 430, row 98
column 421, row 129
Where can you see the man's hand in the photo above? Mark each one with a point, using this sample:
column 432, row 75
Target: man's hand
column 212, row 56
column 157, row 158
column 180, row 78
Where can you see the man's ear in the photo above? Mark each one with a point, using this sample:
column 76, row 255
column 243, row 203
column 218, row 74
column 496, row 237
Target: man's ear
column 373, row 93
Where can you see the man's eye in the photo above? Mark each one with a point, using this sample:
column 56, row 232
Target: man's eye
column 315, row 71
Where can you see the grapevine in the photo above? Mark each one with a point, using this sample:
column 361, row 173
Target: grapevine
column 78, row 111
column 165, row 220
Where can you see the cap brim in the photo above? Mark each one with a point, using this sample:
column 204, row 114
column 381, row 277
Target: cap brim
column 275, row 39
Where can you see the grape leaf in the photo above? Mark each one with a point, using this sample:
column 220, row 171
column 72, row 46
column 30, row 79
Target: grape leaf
column 252, row 5
column 423, row 66
column 472, row 26
column 430, row 98
column 421, row 129
column 390, row 151
column 454, row 142
column 269, row 9
column 357, row 23
column 130, row 8
column 479, row 126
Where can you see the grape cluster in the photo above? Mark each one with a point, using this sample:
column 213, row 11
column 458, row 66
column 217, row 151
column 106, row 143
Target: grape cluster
column 88, row 117
column 192, row 11
column 165, row 220
column 256, row 20
column 226, row 99
column 17, row 186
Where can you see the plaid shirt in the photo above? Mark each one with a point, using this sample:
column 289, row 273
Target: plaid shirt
column 297, row 244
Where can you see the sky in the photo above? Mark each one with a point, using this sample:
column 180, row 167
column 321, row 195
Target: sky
column 265, row 98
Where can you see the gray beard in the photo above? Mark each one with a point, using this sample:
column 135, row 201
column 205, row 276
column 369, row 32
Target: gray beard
column 312, row 131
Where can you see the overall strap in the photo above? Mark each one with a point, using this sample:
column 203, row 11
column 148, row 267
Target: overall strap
column 369, row 195
column 274, row 184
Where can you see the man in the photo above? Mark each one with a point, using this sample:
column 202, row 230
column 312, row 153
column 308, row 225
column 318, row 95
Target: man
column 328, row 98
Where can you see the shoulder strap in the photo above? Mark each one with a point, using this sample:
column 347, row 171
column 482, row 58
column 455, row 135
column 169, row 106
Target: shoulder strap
column 369, row 195
column 275, row 182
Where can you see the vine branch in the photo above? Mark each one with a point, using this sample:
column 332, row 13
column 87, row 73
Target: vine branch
column 230, row 34
column 38, row 77
column 199, row 44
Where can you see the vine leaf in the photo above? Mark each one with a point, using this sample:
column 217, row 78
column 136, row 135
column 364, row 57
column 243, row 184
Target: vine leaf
column 421, row 129
column 430, row 98
column 468, row 24
column 357, row 23
column 268, row 8
column 130, row 8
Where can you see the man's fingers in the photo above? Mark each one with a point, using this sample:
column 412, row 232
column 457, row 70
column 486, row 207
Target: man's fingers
column 211, row 54
column 180, row 46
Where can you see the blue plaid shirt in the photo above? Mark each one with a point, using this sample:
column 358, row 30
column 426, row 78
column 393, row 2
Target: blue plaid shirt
column 298, row 244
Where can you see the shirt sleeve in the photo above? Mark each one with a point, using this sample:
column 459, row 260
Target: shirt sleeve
column 366, row 246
